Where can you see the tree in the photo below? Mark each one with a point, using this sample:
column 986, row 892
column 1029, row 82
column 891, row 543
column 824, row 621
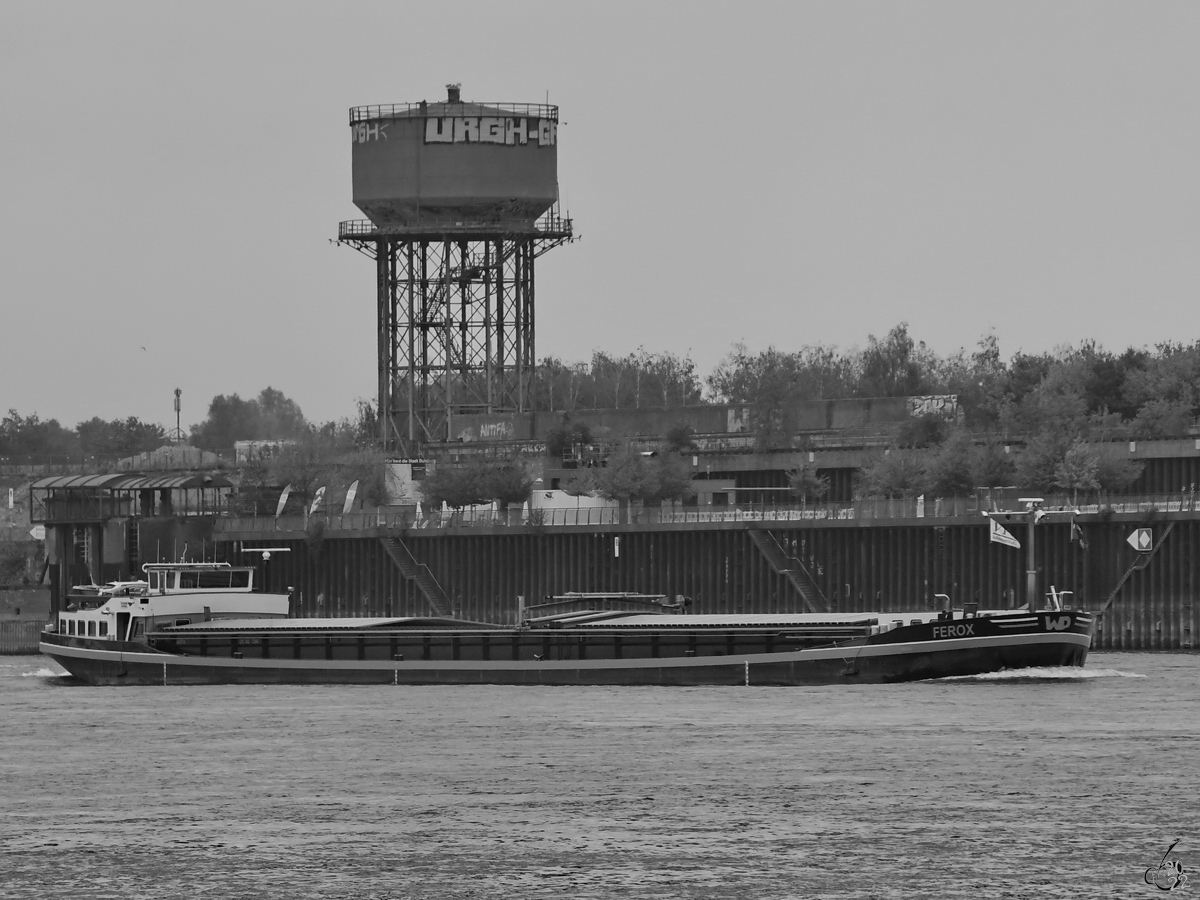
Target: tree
column 950, row 470
column 271, row 416
column 626, row 475
column 923, row 431
column 992, row 466
column 1037, row 465
column 811, row 373
column 805, row 483
column 119, row 437
column 674, row 477
column 1077, row 470
column 566, row 436
column 507, row 481
column 477, row 480
column 306, row 464
column 1115, row 471
column 456, row 485
column 978, row 381
column 279, row 417
column 892, row 367
column 679, row 437
column 895, row 474
column 368, row 467
column 631, row 474
column 30, row 437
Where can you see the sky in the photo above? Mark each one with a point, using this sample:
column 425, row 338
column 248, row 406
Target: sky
column 776, row 174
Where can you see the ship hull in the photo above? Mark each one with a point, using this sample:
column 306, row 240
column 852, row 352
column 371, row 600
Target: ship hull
column 911, row 653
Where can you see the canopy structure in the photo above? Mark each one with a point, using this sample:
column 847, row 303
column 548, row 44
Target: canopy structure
column 97, row 498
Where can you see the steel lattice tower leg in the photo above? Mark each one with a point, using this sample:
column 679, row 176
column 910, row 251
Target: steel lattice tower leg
column 455, row 332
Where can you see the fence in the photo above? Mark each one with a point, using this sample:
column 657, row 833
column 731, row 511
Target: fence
column 870, row 510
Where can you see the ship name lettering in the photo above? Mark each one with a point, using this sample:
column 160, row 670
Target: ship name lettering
column 953, row 631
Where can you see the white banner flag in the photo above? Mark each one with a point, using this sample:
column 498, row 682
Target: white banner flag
column 282, row 501
column 317, row 498
column 349, row 498
column 999, row 534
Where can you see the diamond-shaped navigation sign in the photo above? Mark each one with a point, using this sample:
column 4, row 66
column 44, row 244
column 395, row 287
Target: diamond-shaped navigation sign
column 1142, row 540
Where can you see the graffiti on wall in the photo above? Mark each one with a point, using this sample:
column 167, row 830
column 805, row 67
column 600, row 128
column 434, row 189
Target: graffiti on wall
column 489, row 429
column 943, row 406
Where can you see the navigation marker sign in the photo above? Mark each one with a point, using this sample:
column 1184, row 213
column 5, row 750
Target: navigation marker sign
column 1000, row 535
column 1142, row 540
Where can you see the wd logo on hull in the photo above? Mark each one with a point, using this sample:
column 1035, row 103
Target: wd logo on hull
column 491, row 130
column 1062, row 623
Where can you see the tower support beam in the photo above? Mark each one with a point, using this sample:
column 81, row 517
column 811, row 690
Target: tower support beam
column 455, row 325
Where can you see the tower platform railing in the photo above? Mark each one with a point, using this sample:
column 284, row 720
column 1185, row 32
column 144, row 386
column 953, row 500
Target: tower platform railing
column 444, row 108
column 550, row 225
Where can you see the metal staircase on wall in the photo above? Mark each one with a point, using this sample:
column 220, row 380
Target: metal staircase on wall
column 412, row 570
column 796, row 573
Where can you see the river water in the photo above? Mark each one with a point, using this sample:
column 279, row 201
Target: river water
column 1054, row 783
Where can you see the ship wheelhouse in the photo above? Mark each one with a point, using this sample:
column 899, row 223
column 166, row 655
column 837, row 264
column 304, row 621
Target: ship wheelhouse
column 173, row 594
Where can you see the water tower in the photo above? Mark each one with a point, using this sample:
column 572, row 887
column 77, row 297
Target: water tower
column 461, row 198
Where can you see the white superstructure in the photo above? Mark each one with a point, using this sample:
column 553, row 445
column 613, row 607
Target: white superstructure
column 172, row 594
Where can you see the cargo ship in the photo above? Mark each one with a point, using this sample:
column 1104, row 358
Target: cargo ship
column 203, row 623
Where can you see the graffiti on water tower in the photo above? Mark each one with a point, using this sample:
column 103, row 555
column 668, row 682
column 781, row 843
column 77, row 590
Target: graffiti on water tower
column 491, row 130
column 369, row 131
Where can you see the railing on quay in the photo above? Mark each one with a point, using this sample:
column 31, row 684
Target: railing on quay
column 868, row 510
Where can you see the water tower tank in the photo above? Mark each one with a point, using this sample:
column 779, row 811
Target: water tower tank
column 439, row 167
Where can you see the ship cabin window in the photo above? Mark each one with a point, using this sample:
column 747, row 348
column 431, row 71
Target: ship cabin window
column 189, row 580
column 156, row 581
column 183, row 621
column 70, row 626
column 91, row 629
column 103, row 629
column 139, row 626
column 218, row 578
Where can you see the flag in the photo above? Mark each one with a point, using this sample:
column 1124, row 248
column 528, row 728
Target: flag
column 999, row 534
column 317, row 498
column 282, row 501
column 1077, row 535
column 349, row 498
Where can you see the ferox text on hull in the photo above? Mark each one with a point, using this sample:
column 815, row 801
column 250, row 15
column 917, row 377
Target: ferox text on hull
column 202, row 623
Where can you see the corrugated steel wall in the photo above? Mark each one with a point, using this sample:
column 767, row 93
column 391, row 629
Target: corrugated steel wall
column 888, row 568
column 20, row 637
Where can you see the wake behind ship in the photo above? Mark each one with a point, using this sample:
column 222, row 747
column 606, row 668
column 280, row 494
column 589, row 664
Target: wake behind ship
column 202, row 623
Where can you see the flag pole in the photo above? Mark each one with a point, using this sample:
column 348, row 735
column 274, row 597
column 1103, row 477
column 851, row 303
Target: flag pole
column 1031, row 504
